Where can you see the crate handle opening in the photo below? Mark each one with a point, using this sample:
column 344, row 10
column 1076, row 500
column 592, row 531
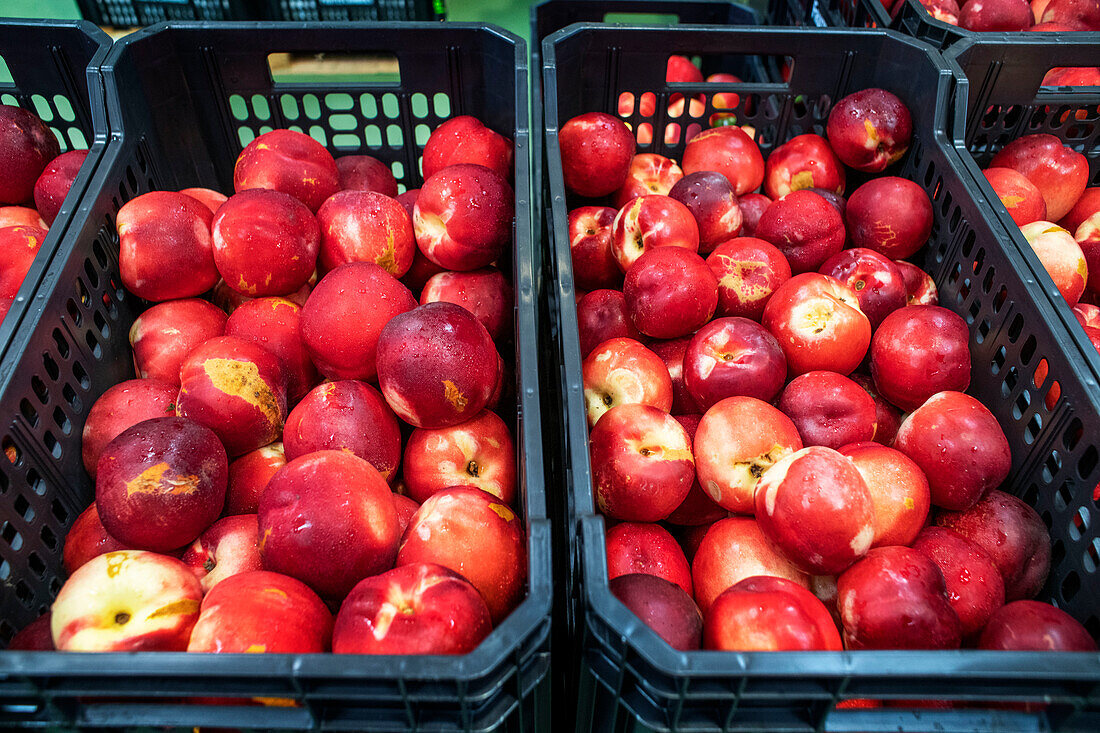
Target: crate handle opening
column 334, row 66
column 662, row 19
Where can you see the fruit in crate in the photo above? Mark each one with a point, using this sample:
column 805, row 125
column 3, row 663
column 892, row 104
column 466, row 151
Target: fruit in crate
column 228, row 547
column 27, row 146
column 596, row 151
column 165, row 334
column 261, row 612
column 1061, row 257
column 642, row 463
column 19, row 245
column 420, row 608
column 733, row 357
column 161, row 482
column 670, row 292
column 437, row 365
column 1031, row 626
column 477, row 453
column 877, row 281
column 53, row 185
column 328, row 519
column 1059, row 172
column 817, row 320
column 805, row 227
column 129, row 600
column 639, row 547
column 995, row 15
column 804, row 161
column 340, row 330
column 711, row 200
column 648, row 174
column 365, row 226
column 120, row 407
column 662, row 606
column 294, row 494
column 165, row 247
column 289, row 162
column 895, row 598
column 733, row 549
column 869, row 129
column 890, row 215
column 36, row 174
column 365, row 173
column 473, row 534
column 274, row 324
column 649, row 222
column 738, row 440
column 749, row 270
column 764, row 613
column 237, row 389
column 959, row 445
column 466, row 139
column 346, row 415
column 485, row 293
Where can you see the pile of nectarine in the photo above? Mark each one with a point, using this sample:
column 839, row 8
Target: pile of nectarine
column 309, row 458
column 780, row 438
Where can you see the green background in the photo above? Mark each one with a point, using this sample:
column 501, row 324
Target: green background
column 511, row 14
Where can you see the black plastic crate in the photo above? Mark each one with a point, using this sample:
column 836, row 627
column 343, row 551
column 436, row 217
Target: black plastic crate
column 911, row 17
column 183, row 99
column 130, row 13
column 629, row 678
column 907, row 16
column 48, row 62
column 1007, row 101
column 359, row 10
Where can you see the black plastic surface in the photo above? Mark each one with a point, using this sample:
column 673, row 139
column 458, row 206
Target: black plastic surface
column 358, row 10
column 183, row 99
column 629, row 678
column 129, row 13
column 48, row 62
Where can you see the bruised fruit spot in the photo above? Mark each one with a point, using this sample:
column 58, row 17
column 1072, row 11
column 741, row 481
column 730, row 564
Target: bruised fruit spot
column 454, row 396
column 263, row 539
column 242, row 379
column 256, row 649
column 802, row 179
column 122, row 618
column 244, row 287
column 1010, row 201
column 154, row 480
column 383, row 620
column 209, row 564
column 862, row 541
column 185, row 606
column 872, row 135
column 276, row 591
column 388, row 259
column 909, row 503
column 503, row 512
column 115, row 561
